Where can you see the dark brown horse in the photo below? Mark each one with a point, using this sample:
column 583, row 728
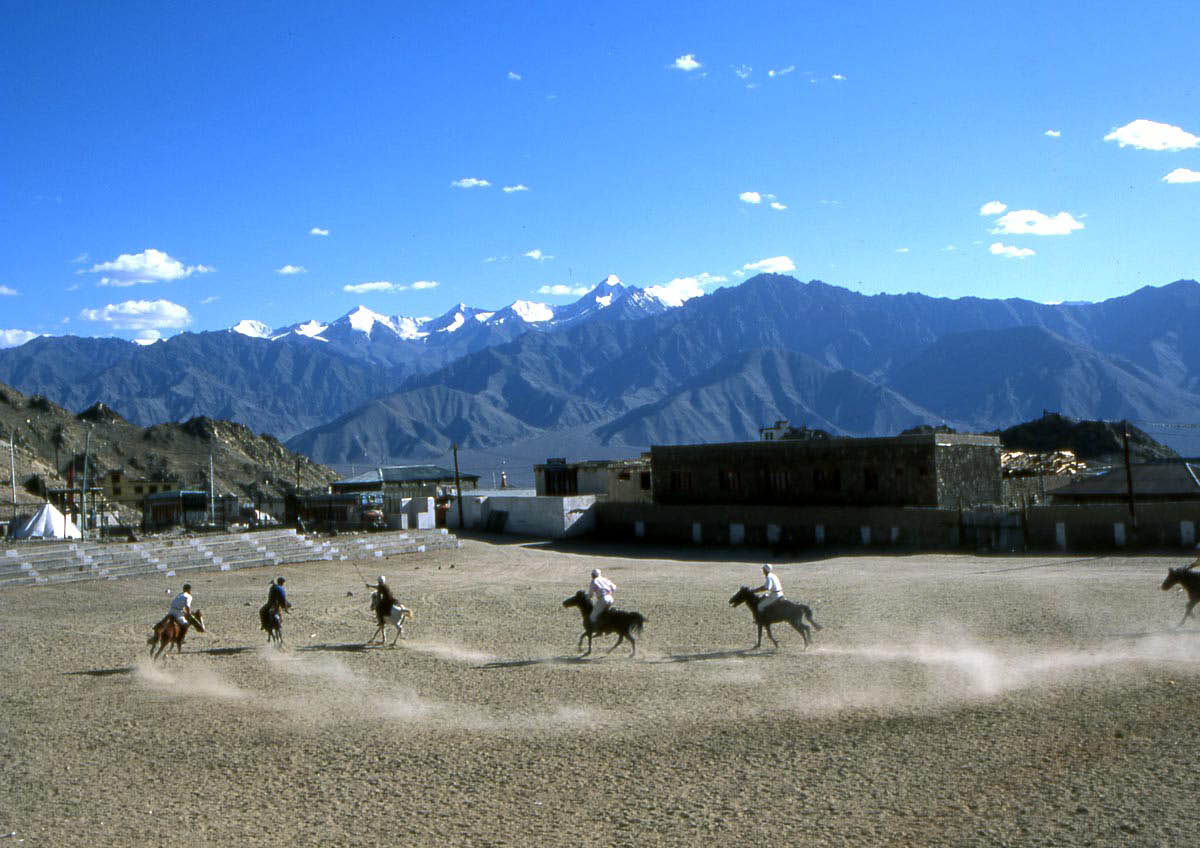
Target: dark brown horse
column 1189, row 579
column 271, row 622
column 169, row 632
column 621, row 622
column 782, row 610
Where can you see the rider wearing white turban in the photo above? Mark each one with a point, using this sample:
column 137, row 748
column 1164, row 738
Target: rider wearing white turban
column 600, row 590
column 771, row 588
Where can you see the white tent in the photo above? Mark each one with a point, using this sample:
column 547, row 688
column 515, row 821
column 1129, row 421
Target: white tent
column 48, row 523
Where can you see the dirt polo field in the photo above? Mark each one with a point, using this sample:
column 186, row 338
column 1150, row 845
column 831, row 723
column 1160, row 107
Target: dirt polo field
column 949, row 700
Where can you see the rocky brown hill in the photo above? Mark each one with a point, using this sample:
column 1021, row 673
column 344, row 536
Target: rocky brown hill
column 47, row 440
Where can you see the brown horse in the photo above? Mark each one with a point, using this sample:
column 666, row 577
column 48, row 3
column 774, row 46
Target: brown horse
column 782, row 610
column 169, row 632
column 624, row 623
column 1188, row 579
column 272, row 623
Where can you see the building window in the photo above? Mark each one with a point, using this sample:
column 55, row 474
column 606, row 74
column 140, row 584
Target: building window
column 116, row 491
column 645, row 481
column 779, row 482
column 729, row 480
column 681, row 481
column 137, row 490
column 870, row 480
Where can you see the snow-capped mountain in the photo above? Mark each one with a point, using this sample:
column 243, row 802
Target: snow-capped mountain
column 420, row 344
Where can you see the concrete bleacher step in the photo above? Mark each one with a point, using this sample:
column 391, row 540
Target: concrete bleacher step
column 38, row 563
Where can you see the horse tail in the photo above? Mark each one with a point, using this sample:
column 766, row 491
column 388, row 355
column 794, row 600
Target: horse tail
column 638, row 623
column 807, row 611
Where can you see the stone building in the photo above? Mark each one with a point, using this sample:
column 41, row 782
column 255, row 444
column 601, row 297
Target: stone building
column 945, row 470
column 619, row 480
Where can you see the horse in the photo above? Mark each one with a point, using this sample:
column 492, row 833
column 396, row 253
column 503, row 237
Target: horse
column 271, row 622
column 1188, row 579
column 782, row 610
column 170, row 632
column 398, row 615
column 621, row 622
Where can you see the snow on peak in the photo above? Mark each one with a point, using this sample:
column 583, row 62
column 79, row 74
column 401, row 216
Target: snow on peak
column 532, row 313
column 363, row 320
column 253, row 329
column 611, row 280
column 312, row 329
column 410, row 328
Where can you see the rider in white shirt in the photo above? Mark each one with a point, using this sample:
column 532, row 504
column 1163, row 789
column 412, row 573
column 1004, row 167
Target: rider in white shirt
column 600, row 590
column 181, row 606
column 771, row 588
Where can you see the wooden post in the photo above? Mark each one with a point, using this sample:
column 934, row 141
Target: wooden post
column 458, row 487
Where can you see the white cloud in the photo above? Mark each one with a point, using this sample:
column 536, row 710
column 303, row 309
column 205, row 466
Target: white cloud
column 80, row 259
column 560, row 290
column 1010, row 251
column 317, row 231
column 513, row 75
column 949, row 248
column 147, row 337
column 367, row 288
column 1151, row 135
column 992, row 207
column 839, row 77
column 537, row 255
column 388, row 287
column 1031, row 222
column 15, row 338
column 291, row 269
column 491, row 259
column 212, row 298
column 774, row 265
column 518, row 187
column 470, row 182
column 750, row 197
column 902, row 250
column 140, row 315
column 686, row 62
column 781, row 71
column 6, row 291
column 1052, row 133
column 1182, row 175
column 743, row 71
column 681, row 289
column 149, row 266
column 776, row 205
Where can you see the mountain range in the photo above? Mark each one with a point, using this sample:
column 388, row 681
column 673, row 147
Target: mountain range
column 620, row 369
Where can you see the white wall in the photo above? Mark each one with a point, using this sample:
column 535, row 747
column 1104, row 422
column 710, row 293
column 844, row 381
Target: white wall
column 545, row 516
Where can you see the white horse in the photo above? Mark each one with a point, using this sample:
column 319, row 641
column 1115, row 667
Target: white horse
column 398, row 615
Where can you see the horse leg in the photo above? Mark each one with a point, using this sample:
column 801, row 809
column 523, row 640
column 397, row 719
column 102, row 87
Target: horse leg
column 620, row 639
column 1188, row 612
column 772, row 635
column 378, row 632
column 588, row 634
column 758, row 644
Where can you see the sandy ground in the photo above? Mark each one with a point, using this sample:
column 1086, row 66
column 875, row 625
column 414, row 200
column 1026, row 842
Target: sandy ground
column 950, row 700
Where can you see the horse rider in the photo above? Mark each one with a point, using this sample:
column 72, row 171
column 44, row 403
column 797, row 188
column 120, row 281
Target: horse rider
column 181, row 607
column 600, row 590
column 386, row 599
column 771, row 588
column 277, row 600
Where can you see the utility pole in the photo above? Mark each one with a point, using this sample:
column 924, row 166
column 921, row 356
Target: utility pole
column 458, row 486
column 1129, row 476
column 12, row 464
column 87, row 447
column 212, row 496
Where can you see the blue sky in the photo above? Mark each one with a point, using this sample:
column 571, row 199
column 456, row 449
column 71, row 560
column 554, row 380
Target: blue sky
column 183, row 166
